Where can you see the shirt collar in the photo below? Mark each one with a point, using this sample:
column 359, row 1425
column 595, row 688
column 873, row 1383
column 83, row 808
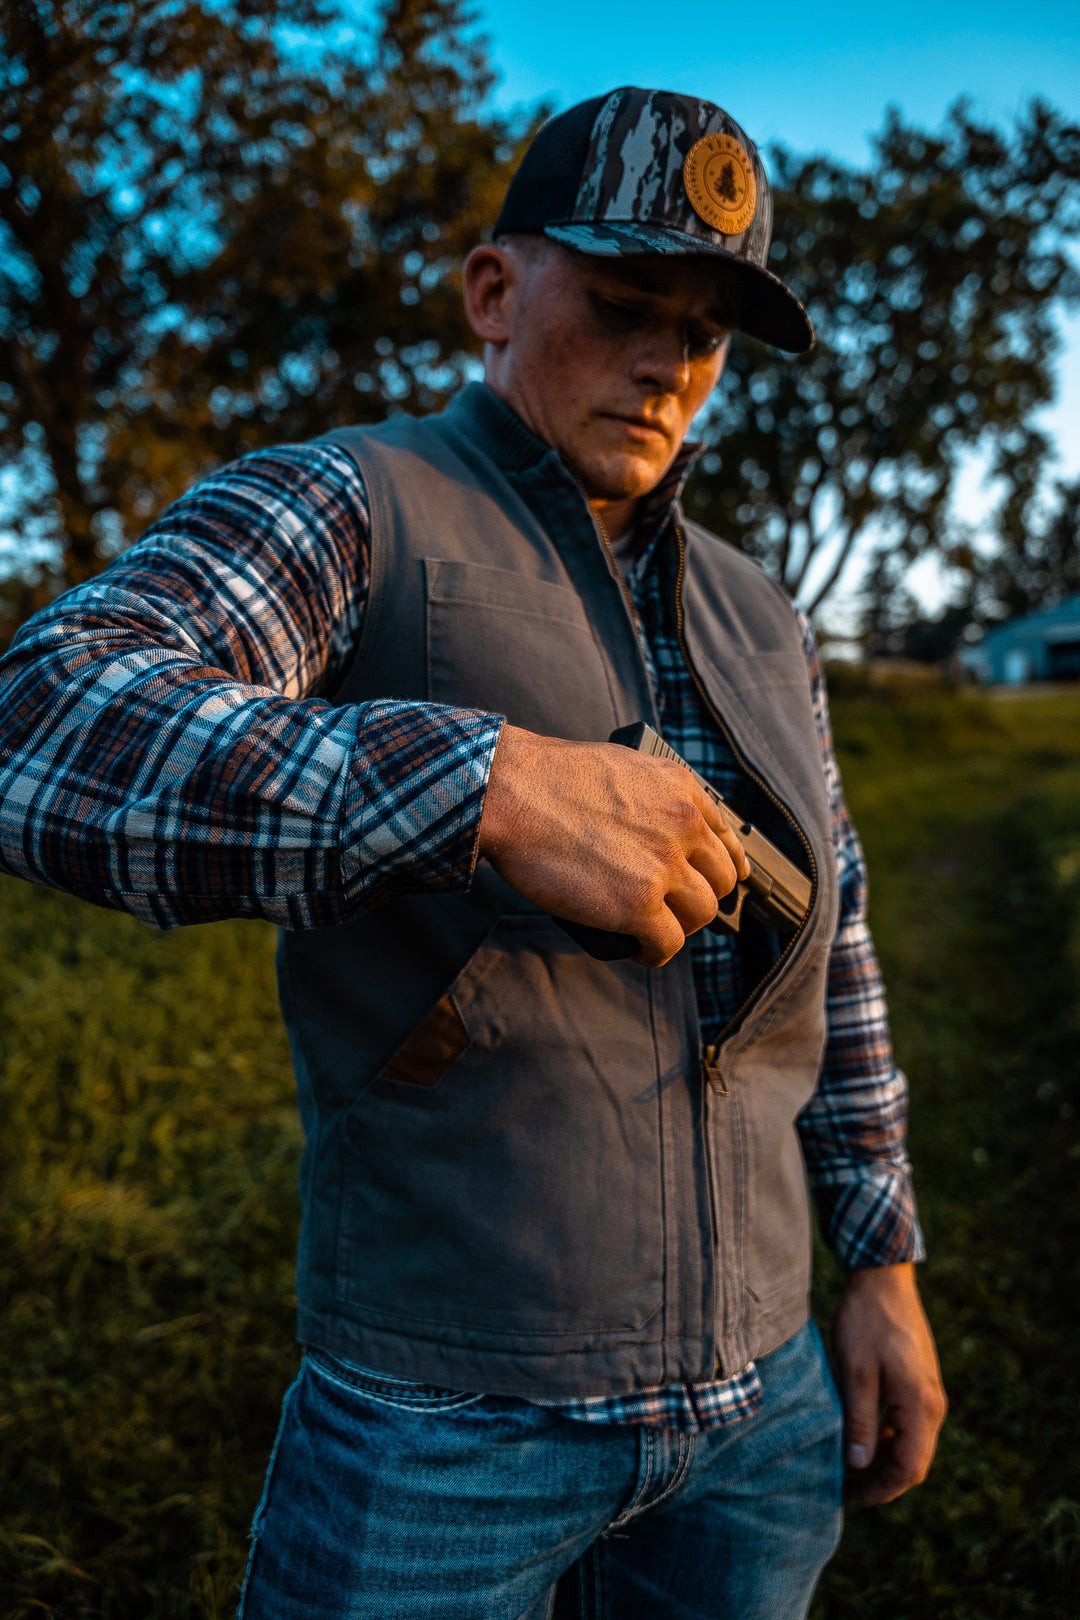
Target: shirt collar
column 658, row 506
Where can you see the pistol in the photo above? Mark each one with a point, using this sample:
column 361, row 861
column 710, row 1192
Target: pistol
column 776, row 892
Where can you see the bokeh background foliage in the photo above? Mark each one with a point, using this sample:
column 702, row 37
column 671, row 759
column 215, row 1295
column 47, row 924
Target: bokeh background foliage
column 148, row 1204
column 219, row 231
column 229, row 224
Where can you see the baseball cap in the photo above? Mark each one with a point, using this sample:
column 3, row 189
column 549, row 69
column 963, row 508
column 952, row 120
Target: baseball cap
column 648, row 171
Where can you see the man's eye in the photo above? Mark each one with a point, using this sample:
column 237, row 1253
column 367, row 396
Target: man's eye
column 615, row 310
column 702, row 344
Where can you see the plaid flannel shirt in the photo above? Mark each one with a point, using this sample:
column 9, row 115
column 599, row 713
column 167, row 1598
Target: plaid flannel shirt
column 164, row 750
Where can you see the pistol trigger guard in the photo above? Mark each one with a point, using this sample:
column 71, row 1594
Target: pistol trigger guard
column 728, row 918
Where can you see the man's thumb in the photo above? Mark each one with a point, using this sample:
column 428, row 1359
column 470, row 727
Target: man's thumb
column 860, row 1419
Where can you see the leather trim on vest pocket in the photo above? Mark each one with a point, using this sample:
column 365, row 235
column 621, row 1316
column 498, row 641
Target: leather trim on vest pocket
column 434, row 1044
column 523, row 1194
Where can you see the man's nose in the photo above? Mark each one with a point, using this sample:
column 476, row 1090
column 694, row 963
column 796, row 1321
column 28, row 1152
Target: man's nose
column 663, row 363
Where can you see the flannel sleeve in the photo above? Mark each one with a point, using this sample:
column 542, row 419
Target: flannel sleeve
column 853, row 1130
column 164, row 749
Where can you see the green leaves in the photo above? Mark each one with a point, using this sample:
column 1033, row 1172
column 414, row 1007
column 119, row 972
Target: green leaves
column 225, row 225
column 931, row 277
column 220, row 229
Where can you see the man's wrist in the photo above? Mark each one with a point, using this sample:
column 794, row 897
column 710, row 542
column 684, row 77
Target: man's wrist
column 502, row 803
column 897, row 1278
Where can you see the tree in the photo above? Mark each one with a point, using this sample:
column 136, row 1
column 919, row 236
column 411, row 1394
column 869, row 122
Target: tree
column 1036, row 562
column 1030, row 561
column 213, row 238
column 932, row 277
column 219, row 230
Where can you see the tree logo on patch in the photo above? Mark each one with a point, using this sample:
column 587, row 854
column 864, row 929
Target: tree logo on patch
column 719, row 181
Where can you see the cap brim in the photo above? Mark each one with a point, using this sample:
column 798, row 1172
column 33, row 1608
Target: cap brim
column 768, row 310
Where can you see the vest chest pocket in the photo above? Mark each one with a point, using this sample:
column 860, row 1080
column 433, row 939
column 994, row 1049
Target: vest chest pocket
column 516, row 645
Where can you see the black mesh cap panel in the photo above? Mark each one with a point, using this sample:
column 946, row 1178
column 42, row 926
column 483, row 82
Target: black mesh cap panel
column 617, row 177
column 544, row 189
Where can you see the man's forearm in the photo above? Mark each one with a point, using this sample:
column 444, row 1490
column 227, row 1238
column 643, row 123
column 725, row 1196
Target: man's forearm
column 160, row 749
column 157, row 787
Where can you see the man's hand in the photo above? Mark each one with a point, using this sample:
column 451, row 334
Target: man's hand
column 890, row 1384
column 606, row 836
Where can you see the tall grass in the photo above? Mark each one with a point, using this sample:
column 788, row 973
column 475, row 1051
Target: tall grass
column 149, row 1154
column 970, row 811
column 149, row 1149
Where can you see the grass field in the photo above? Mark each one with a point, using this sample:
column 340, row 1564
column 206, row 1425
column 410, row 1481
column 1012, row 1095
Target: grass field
column 147, row 1216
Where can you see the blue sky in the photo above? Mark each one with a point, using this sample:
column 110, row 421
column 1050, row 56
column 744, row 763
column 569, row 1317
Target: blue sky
column 813, row 76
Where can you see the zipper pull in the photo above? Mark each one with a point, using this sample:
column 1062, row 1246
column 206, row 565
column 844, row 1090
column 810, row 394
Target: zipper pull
column 710, row 1068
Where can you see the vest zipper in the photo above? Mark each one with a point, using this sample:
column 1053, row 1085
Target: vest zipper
column 711, row 1073
column 710, row 1066
column 620, row 577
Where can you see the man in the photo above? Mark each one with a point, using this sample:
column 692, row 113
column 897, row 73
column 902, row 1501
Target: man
column 555, row 1255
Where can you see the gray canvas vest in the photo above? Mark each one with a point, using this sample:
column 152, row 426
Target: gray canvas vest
column 516, row 1178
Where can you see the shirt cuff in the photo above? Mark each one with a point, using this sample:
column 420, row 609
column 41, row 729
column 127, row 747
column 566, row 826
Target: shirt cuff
column 868, row 1216
column 415, row 798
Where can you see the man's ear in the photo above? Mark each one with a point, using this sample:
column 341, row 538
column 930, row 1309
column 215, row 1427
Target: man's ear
column 489, row 278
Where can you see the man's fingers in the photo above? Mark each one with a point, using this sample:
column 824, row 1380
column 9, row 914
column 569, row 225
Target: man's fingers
column 902, row 1459
column 662, row 939
column 688, row 906
column 599, row 834
column 881, row 1482
column 914, row 1438
column 721, row 827
column 909, row 1438
column 716, row 867
column 694, row 901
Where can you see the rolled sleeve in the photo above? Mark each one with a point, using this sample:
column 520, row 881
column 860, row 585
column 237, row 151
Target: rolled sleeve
column 854, row 1129
column 163, row 745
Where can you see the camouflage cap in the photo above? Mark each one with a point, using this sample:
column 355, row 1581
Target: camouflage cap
column 649, row 171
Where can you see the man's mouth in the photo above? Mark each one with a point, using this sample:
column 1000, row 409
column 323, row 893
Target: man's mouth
column 640, row 428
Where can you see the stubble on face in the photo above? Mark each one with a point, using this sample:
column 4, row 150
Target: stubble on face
column 609, row 360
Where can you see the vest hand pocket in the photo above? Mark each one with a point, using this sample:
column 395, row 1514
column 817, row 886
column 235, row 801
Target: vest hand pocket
column 434, row 1044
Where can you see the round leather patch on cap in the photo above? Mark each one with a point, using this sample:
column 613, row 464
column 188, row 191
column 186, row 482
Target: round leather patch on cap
column 719, row 181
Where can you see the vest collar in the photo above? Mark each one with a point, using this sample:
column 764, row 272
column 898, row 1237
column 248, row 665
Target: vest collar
column 498, row 432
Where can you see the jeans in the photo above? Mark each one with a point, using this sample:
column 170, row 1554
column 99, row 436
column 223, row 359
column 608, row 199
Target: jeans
column 387, row 1500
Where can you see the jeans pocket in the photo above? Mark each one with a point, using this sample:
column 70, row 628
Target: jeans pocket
column 403, row 1393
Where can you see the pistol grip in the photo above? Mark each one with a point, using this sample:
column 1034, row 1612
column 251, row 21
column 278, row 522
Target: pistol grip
column 601, row 943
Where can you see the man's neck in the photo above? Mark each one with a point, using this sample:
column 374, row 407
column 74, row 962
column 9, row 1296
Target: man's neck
column 616, row 518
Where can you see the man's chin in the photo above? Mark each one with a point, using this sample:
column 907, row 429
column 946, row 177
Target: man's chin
column 622, row 478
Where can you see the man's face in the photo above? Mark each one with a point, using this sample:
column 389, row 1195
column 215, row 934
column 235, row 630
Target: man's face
column 608, row 360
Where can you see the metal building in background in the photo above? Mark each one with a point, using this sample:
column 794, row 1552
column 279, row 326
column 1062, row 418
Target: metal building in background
column 1041, row 647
